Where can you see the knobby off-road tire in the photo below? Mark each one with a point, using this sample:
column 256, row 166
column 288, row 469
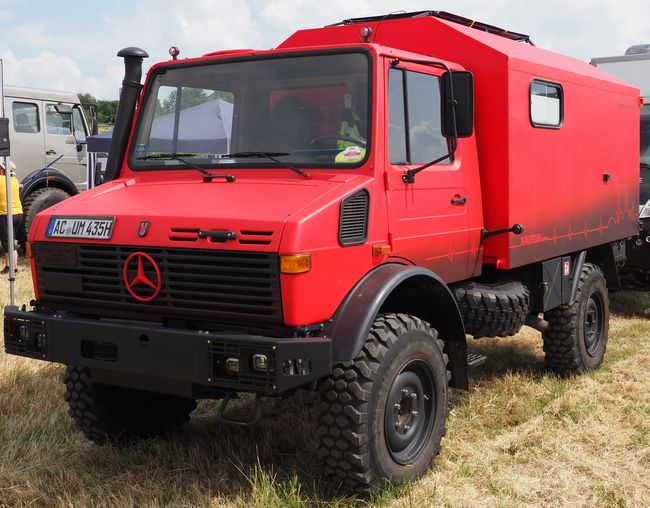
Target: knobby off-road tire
column 36, row 202
column 110, row 413
column 383, row 415
column 577, row 336
column 492, row 310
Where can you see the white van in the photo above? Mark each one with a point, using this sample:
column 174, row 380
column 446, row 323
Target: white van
column 47, row 131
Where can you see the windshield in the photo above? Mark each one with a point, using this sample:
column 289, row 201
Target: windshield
column 303, row 110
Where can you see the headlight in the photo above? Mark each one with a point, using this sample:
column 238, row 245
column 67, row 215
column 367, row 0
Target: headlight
column 644, row 210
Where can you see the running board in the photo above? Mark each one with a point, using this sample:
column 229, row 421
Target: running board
column 475, row 359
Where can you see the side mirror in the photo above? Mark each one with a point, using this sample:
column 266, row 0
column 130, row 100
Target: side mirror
column 63, row 109
column 462, row 83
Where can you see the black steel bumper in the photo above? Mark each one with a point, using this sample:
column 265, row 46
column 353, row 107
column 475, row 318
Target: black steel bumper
column 159, row 358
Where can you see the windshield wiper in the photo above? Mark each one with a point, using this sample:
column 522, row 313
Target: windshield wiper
column 180, row 158
column 645, row 165
column 265, row 155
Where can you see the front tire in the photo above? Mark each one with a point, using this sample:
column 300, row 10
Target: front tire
column 577, row 336
column 107, row 413
column 383, row 414
column 36, row 202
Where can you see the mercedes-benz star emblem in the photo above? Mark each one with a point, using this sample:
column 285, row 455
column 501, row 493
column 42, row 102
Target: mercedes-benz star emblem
column 142, row 277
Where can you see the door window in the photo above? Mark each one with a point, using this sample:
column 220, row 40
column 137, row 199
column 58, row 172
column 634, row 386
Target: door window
column 26, row 117
column 79, row 126
column 57, row 123
column 414, row 118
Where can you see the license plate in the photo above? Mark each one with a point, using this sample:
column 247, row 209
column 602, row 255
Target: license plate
column 95, row 228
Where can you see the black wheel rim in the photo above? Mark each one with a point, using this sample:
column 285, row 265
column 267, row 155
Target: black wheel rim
column 410, row 412
column 594, row 324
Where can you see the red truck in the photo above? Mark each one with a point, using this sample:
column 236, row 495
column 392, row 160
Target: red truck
column 336, row 214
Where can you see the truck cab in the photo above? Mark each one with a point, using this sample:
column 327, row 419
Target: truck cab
column 48, row 131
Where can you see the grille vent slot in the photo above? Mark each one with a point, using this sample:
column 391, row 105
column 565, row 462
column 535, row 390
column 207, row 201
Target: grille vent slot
column 183, row 235
column 353, row 225
column 255, row 237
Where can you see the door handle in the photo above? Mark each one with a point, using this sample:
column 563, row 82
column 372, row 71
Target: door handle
column 459, row 201
column 50, row 152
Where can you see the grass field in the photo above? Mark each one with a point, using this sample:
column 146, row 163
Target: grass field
column 520, row 437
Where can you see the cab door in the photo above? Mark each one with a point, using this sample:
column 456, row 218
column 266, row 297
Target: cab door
column 65, row 138
column 428, row 219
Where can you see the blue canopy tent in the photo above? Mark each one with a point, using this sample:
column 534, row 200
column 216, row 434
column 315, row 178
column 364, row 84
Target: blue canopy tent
column 204, row 128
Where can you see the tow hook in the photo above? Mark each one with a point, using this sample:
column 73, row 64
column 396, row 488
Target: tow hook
column 221, row 413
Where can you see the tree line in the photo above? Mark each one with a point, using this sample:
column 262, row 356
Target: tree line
column 106, row 110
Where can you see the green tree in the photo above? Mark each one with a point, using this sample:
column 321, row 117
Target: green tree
column 189, row 97
column 106, row 110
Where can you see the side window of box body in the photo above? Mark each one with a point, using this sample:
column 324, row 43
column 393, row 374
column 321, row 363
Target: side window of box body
column 546, row 104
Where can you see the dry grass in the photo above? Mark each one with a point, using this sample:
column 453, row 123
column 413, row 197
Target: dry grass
column 521, row 437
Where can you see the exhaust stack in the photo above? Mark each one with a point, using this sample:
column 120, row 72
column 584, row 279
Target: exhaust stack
column 128, row 98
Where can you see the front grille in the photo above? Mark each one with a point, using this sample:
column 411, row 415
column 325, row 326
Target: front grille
column 222, row 286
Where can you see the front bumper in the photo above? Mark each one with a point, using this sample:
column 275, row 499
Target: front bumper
column 160, row 358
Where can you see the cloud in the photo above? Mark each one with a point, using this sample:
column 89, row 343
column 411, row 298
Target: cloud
column 56, row 72
column 78, row 53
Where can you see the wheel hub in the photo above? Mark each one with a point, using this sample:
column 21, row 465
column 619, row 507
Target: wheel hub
column 593, row 325
column 410, row 412
column 405, row 412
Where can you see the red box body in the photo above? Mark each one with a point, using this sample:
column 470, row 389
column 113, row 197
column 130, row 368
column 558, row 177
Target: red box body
column 551, row 181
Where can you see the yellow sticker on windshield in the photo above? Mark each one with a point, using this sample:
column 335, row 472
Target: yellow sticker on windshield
column 351, row 154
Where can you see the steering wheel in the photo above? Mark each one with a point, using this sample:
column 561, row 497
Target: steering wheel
column 337, row 137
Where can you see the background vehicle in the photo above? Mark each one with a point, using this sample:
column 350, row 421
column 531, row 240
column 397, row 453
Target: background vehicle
column 48, row 132
column 634, row 67
column 363, row 207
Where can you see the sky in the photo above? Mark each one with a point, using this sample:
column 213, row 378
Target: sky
column 71, row 45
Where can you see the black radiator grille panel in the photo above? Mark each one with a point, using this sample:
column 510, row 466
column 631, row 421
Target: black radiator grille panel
column 227, row 286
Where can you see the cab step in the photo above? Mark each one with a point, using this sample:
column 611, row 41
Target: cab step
column 475, row 359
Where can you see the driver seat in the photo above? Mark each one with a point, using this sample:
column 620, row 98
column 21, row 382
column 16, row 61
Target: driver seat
column 291, row 126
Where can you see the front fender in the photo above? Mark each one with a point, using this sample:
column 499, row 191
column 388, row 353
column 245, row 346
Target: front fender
column 400, row 288
column 46, row 177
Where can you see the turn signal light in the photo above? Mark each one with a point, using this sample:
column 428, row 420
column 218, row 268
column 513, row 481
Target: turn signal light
column 295, row 263
column 28, row 249
column 380, row 250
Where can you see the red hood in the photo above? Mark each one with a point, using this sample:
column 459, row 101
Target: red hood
column 255, row 208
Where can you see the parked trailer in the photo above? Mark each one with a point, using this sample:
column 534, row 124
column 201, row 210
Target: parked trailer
column 374, row 204
column 634, row 67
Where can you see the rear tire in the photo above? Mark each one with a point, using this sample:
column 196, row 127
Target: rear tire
column 577, row 336
column 111, row 413
column 383, row 414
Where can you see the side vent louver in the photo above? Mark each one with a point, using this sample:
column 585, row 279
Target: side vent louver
column 353, row 225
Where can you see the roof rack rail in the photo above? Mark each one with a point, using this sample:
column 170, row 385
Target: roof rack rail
column 448, row 16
